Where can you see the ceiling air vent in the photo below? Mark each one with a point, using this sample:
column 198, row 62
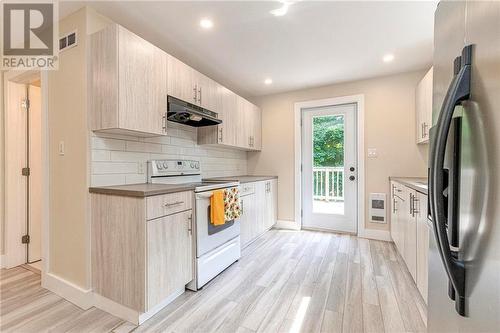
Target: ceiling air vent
column 68, row 41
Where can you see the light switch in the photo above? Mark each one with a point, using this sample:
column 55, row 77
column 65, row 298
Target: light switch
column 61, row 148
column 372, row 153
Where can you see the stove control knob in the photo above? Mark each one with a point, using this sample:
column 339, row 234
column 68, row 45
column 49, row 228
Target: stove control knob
column 197, row 165
column 191, row 165
column 159, row 166
column 165, row 165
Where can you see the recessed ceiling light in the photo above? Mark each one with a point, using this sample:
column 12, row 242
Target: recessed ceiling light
column 388, row 57
column 268, row 81
column 282, row 10
column 206, row 23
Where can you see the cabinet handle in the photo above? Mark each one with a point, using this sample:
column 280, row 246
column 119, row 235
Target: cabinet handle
column 425, row 130
column 199, row 91
column 411, row 204
column 164, row 123
column 173, row 203
column 195, row 96
column 190, row 224
column 422, row 131
column 221, row 134
column 415, row 200
column 394, row 208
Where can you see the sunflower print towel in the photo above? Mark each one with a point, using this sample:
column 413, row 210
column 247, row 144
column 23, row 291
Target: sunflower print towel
column 232, row 204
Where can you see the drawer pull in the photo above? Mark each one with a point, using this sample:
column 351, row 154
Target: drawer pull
column 174, row 203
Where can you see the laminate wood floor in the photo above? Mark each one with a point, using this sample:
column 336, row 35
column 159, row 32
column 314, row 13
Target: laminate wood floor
column 286, row 281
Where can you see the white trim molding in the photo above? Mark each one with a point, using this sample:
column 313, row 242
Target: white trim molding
column 83, row 298
column 286, row 225
column 359, row 100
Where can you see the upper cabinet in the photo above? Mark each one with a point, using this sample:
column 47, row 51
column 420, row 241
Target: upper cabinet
column 423, row 107
column 241, row 124
column 131, row 79
column 128, row 91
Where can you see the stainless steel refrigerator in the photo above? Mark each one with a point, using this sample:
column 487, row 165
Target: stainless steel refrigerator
column 464, row 169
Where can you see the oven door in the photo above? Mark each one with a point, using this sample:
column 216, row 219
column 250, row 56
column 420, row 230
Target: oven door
column 208, row 236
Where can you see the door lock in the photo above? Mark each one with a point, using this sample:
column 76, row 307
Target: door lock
column 352, row 178
column 351, row 169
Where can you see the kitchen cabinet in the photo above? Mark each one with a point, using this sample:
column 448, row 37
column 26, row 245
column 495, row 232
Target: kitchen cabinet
column 169, row 255
column 142, row 255
column 191, row 86
column 180, row 81
column 225, row 133
column 423, row 107
column 128, row 84
column 410, row 231
column 241, row 124
column 423, row 233
column 247, row 220
column 259, row 202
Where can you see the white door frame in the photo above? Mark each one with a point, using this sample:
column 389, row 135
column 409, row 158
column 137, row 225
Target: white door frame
column 360, row 126
column 25, row 77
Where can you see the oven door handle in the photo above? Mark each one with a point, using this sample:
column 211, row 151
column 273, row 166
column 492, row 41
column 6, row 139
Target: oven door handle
column 203, row 195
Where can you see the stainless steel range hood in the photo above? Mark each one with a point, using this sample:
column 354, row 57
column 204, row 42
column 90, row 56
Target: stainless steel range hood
column 189, row 114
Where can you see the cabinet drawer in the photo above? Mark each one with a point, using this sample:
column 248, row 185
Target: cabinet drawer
column 161, row 205
column 247, row 188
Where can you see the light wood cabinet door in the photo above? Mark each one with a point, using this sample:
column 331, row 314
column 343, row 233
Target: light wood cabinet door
column 257, row 128
column 247, row 225
column 128, row 88
column 423, row 233
column 181, row 82
column 208, row 93
column 169, row 256
column 261, row 208
column 423, row 107
column 271, row 187
column 229, row 127
column 142, row 82
column 410, row 233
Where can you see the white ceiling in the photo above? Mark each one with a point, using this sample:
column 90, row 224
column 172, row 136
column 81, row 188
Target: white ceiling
column 316, row 43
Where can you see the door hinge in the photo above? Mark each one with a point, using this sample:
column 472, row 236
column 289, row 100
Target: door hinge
column 25, row 104
column 25, row 171
column 25, row 239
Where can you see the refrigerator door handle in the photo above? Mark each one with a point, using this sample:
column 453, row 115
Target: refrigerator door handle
column 458, row 91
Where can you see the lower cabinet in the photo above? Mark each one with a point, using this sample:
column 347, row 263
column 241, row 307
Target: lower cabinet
column 142, row 249
column 259, row 203
column 423, row 233
column 169, row 255
column 410, row 231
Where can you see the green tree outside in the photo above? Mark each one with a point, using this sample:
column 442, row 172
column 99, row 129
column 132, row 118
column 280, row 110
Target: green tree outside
column 328, row 141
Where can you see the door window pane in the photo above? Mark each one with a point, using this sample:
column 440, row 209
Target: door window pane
column 328, row 164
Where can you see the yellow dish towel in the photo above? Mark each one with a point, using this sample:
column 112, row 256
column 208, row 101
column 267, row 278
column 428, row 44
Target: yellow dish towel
column 217, row 208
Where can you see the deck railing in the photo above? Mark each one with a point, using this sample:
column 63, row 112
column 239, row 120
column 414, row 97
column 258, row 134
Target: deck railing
column 328, row 183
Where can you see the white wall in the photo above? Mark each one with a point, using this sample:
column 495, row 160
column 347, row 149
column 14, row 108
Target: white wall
column 116, row 159
column 389, row 127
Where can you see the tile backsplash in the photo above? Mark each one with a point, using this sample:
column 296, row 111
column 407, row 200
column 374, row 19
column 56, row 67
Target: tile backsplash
column 119, row 159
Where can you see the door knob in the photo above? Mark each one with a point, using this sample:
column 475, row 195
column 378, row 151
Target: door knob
column 352, row 177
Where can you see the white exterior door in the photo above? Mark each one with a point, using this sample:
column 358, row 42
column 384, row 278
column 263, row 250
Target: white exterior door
column 329, row 168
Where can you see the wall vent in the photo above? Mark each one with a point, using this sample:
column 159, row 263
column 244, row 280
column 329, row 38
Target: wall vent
column 378, row 208
column 68, row 41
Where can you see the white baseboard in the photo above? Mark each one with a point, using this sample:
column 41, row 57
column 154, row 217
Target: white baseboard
column 68, row 290
column 288, row 225
column 382, row 235
column 131, row 315
column 2, row 261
